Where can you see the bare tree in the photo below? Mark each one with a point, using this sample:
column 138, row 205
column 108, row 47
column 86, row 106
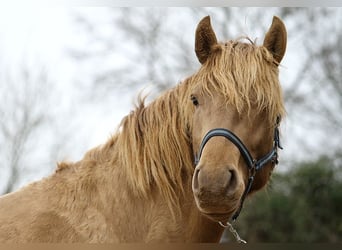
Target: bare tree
column 330, row 61
column 26, row 123
column 144, row 48
column 313, row 94
column 20, row 117
column 153, row 46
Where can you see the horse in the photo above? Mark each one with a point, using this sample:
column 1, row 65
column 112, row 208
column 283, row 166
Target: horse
column 177, row 169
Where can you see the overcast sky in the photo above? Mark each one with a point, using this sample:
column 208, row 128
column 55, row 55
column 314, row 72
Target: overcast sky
column 43, row 36
column 36, row 36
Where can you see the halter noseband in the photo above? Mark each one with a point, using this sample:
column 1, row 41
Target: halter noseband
column 253, row 165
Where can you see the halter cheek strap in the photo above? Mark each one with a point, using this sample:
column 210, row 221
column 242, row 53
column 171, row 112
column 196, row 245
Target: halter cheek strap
column 253, row 165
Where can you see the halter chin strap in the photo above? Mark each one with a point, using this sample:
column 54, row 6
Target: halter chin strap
column 253, row 165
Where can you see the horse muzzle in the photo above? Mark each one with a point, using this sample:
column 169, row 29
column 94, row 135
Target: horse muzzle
column 217, row 192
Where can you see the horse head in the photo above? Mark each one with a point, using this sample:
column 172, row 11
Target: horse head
column 237, row 103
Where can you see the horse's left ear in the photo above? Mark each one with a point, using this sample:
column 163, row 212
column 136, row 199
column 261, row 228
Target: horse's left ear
column 205, row 39
column 276, row 38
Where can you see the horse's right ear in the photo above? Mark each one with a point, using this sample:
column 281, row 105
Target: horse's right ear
column 205, row 39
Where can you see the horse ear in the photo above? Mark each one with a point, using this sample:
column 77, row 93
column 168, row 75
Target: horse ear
column 205, row 39
column 276, row 38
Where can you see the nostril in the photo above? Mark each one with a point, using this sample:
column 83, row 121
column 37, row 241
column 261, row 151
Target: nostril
column 232, row 182
column 195, row 179
column 214, row 181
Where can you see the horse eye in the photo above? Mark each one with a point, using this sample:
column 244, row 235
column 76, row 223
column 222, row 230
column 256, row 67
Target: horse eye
column 194, row 100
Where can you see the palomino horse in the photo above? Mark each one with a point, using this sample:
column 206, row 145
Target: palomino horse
column 143, row 185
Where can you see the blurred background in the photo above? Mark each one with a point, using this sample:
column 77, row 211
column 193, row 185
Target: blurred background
column 69, row 75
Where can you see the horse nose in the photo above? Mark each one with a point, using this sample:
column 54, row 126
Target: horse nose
column 220, row 181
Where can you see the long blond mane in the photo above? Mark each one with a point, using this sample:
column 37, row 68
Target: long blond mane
column 153, row 143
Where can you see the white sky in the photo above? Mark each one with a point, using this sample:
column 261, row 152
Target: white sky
column 33, row 32
column 42, row 35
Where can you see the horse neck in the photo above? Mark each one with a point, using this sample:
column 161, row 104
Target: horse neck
column 155, row 145
column 163, row 195
column 160, row 134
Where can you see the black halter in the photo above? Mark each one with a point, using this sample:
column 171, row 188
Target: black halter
column 252, row 164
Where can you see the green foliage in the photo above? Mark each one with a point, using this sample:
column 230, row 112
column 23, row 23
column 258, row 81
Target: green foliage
column 301, row 205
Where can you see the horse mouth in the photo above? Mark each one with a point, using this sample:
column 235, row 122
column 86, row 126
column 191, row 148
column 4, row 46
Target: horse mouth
column 217, row 213
column 217, row 217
